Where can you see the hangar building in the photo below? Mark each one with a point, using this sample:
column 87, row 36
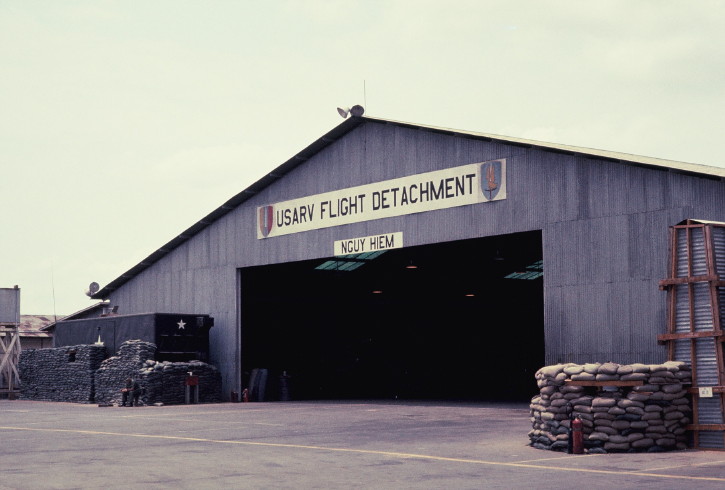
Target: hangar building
column 390, row 259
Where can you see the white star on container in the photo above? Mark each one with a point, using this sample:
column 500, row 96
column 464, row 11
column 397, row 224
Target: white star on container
column 181, row 324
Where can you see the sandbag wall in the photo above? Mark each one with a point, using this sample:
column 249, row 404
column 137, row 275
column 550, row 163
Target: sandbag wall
column 63, row 374
column 80, row 374
column 649, row 417
column 127, row 363
column 160, row 382
column 165, row 382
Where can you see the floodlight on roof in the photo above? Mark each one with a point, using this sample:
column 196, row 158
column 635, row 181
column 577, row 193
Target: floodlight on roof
column 354, row 111
column 92, row 289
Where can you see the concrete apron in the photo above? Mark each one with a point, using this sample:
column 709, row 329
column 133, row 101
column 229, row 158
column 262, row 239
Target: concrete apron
column 314, row 445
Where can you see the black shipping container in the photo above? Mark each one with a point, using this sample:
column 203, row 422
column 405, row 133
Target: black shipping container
column 178, row 337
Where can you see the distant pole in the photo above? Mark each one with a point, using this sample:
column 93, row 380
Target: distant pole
column 365, row 97
column 52, row 287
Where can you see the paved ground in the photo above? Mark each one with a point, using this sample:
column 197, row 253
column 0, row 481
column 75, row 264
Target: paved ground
column 313, row 445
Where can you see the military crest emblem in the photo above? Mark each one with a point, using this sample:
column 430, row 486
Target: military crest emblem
column 265, row 219
column 491, row 179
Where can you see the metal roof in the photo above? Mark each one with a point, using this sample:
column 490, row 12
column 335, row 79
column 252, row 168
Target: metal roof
column 684, row 167
column 34, row 325
column 353, row 122
column 50, row 327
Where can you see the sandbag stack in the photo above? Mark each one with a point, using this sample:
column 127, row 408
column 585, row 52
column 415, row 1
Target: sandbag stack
column 80, row 374
column 113, row 372
column 648, row 417
column 165, row 382
column 62, row 374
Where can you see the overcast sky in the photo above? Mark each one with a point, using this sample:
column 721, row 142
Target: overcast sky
column 124, row 122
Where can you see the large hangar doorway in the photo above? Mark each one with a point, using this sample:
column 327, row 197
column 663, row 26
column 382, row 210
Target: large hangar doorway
column 451, row 321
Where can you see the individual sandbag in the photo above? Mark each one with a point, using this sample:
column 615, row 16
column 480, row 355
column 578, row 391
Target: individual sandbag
column 645, row 388
column 603, row 402
column 551, row 371
column 635, row 410
column 629, row 417
column 606, row 430
column 683, row 375
column 643, row 443
column 572, row 369
column 665, row 442
column 592, row 368
column 634, row 436
column 598, row 436
column 617, row 447
column 626, row 403
column 639, row 368
column 624, row 370
column 548, row 390
column 654, row 368
column 618, row 439
column 651, row 416
column 637, row 397
column 675, row 366
column 608, row 368
column 673, row 388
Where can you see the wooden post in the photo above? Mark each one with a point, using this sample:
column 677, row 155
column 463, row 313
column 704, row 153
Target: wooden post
column 9, row 358
column 699, row 323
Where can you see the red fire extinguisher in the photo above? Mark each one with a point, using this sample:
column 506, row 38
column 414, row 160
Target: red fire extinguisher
column 245, row 395
column 577, row 436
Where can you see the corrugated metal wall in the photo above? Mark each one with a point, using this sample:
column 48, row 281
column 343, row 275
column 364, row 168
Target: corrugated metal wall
column 604, row 224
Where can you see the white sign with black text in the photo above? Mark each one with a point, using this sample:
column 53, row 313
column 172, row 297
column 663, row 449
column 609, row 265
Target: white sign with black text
column 458, row 186
column 365, row 244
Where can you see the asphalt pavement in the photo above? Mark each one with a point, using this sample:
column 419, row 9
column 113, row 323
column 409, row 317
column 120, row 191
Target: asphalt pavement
column 313, row 445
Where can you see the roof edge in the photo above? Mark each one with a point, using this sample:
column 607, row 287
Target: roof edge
column 686, row 167
column 316, row 146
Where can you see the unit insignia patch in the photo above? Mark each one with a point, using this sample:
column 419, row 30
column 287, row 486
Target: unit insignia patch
column 491, row 179
column 266, row 220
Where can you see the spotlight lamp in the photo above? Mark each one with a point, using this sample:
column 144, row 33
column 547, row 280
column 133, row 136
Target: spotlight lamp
column 354, row 111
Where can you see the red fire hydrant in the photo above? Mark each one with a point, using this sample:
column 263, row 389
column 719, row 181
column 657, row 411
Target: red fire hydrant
column 577, row 436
